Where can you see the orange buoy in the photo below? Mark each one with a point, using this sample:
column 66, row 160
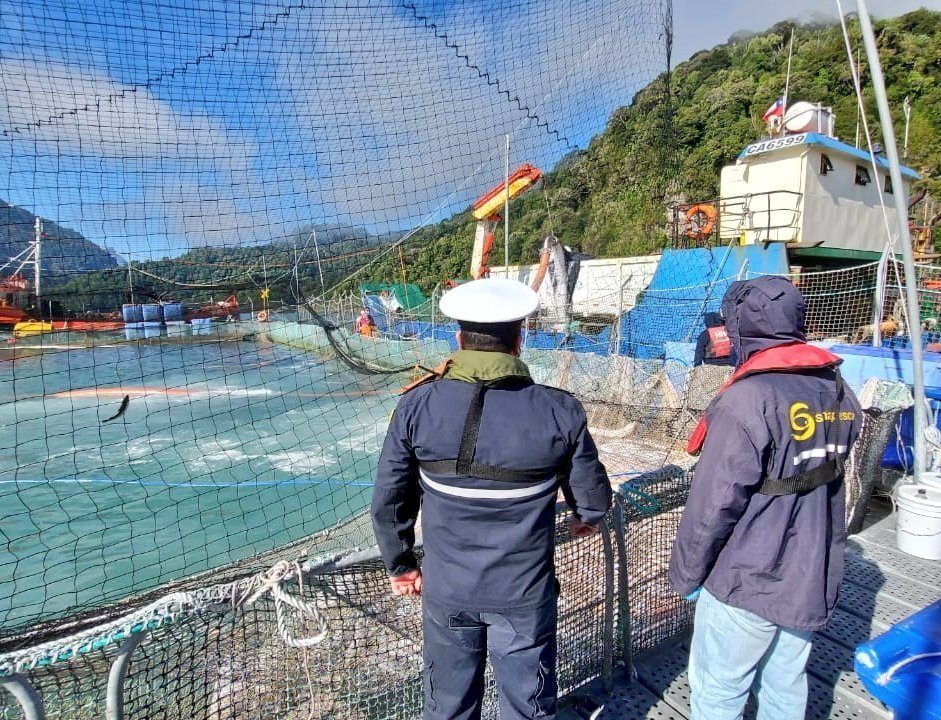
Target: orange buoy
column 262, row 316
column 700, row 221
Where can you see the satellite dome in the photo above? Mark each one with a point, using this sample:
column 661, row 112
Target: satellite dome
column 803, row 117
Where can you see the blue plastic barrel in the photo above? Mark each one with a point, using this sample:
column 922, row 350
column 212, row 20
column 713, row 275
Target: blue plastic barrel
column 902, row 667
column 172, row 311
column 132, row 313
column 153, row 314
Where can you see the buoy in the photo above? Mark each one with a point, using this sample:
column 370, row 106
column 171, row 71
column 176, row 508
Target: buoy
column 262, row 316
column 700, row 221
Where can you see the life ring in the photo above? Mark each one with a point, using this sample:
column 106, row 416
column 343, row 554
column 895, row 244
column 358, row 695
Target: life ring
column 262, row 316
column 700, row 221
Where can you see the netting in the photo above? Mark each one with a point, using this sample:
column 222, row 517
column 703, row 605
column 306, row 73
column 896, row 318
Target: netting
column 198, row 203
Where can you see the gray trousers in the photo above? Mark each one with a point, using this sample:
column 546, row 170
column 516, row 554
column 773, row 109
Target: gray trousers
column 522, row 647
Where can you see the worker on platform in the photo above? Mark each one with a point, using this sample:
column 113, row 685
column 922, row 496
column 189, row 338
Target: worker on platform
column 365, row 325
column 713, row 346
column 761, row 540
column 483, row 451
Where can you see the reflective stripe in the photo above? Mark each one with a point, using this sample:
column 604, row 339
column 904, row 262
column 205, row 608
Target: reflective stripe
column 819, row 452
column 490, row 494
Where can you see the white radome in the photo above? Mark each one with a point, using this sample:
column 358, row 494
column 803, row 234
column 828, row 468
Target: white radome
column 492, row 300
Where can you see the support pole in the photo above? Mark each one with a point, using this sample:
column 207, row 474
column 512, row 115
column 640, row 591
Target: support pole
column 911, row 280
column 114, row 700
column 506, row 209
column 27, row 697
column 37, row 259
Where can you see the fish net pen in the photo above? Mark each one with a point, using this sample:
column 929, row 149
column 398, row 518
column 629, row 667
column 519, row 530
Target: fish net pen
column 197, row 203
column 322, row 639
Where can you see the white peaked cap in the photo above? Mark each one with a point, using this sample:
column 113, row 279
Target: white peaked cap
column 492, row 300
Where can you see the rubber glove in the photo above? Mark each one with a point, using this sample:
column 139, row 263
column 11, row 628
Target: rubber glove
column 694, row 595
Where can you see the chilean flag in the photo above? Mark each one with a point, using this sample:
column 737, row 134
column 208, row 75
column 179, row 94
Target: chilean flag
column 776, row 110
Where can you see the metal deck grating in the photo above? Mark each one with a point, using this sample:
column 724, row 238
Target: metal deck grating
column 882, row 586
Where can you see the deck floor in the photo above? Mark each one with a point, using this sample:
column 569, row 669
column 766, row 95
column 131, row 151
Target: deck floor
column 882, row 585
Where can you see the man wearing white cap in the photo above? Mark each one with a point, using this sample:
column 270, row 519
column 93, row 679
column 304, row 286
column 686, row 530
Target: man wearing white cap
column 483, row 450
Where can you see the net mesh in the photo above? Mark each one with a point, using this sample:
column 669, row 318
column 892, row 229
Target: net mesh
column 212, row 195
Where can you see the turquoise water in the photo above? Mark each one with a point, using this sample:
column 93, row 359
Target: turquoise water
column 227, row 448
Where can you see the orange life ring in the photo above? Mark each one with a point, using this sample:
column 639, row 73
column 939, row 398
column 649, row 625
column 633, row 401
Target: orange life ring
column 700, row 221
column 262, row 316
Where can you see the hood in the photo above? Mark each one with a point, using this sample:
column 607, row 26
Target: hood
column 713, row 319
column 763, row 313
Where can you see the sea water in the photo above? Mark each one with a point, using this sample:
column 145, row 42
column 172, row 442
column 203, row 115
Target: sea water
column 227, row 447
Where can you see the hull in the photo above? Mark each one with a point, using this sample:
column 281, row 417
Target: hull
column 10, row 316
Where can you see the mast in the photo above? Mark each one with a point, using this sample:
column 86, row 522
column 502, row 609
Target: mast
column 787, row 81
column 506, row 209
column 911, row 281
column 37, row 259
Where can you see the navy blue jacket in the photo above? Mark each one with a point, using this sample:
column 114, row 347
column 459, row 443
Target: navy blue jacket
column 780, row 557
column 700, row 356
column 488, row 543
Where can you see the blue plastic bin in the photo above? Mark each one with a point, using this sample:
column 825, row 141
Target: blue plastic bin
column 902, row 667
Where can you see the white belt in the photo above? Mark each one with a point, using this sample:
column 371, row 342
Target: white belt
column 524, row 492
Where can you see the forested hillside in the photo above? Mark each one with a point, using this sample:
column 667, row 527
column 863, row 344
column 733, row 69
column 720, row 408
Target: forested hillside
column 609, row 200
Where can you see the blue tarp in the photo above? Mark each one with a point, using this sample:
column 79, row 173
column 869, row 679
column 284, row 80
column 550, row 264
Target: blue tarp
column 687, row 284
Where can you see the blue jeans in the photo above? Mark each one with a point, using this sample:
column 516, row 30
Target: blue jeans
column 733, row 650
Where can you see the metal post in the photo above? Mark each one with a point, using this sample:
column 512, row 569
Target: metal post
column 624, row 604
column 610, row 594
column 506, row 210
column 37, row 259
column 911, row 281
column 27, row 697
column 114, row 700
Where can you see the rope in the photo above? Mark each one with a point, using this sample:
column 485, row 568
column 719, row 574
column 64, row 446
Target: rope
column 884, row 678
column 273, row 581
column 170, row 608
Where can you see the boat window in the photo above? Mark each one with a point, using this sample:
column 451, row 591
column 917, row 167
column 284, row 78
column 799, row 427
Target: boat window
column 825, row 165
column 888, row 185
column 862, row 175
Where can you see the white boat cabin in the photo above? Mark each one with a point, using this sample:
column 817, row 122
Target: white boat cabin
column 810, row 190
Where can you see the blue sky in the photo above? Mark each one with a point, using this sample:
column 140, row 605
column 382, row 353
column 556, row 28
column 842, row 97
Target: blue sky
column 158, row 125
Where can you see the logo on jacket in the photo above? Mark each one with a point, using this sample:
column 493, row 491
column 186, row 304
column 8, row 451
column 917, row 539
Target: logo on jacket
column 804, row 421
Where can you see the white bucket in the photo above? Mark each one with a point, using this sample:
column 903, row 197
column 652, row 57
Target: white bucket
column 918, row 530
column 931, row 479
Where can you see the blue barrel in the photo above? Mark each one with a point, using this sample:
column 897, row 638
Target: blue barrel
column 902, row 667
column 153, row 314
column 132, row 313
column 172, row 311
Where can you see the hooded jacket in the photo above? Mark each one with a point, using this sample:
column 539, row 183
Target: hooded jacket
column 780, row 557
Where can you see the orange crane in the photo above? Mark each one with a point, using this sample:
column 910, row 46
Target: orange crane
column 486, row 212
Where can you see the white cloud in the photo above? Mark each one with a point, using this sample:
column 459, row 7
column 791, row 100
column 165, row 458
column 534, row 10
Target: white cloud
column 81, row 111
column 403, row 127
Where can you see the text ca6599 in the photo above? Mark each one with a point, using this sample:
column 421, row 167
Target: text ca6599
column 776, row 144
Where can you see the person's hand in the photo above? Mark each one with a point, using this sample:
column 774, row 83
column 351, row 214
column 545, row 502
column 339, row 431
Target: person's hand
column 581, row 529
column 408, row 583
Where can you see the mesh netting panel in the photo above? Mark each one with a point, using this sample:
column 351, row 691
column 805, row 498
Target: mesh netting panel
column 187, row 194
column 223, row 663
column 653, row 506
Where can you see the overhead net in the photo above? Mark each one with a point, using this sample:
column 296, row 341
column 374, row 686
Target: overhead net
column 211, row 195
